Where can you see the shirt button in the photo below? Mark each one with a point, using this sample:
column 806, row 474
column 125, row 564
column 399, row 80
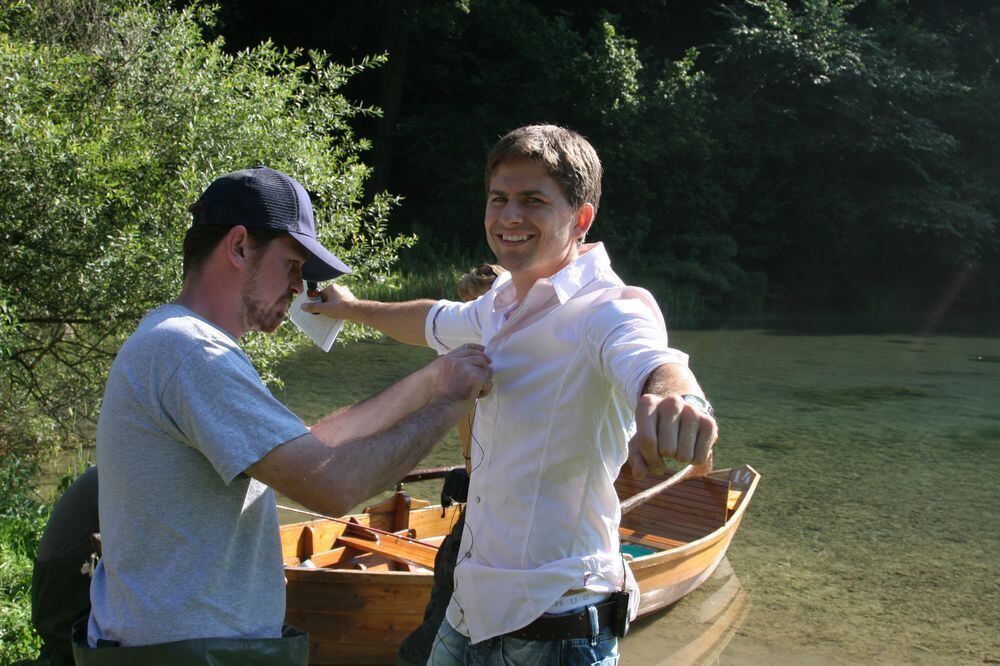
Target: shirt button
column 478, row 499
column 468, row 553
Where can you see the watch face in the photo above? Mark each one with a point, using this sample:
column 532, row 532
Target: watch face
column 699, row 402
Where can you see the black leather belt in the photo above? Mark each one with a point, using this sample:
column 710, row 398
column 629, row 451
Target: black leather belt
column 562, row 627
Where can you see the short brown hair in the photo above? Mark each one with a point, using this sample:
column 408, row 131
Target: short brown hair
column 562, row 153
column 203, row 237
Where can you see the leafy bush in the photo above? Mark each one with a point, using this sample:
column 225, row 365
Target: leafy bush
column 22, row 519
column 116, row 116
column 860, row 178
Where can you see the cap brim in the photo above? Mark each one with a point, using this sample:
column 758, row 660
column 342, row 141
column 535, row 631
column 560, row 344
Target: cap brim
column 321, row 264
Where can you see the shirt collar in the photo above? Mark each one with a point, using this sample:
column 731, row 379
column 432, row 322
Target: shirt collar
column 592, row 261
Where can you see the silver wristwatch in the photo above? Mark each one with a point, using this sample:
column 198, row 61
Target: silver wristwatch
column 699, row 402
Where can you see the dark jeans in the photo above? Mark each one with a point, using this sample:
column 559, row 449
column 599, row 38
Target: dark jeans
column 453, row 649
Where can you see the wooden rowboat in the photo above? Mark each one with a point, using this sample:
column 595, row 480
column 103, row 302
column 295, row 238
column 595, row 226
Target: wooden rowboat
column 359, row 585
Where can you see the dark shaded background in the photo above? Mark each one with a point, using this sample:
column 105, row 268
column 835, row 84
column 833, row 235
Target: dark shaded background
column 761, row 158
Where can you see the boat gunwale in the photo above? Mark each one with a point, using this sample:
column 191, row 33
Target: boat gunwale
column 300, row 573
column 638, row 563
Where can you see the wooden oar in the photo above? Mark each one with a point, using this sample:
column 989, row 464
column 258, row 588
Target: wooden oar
column 632, row 502
column 393, row 546
column 398, row 549
column 641, row 498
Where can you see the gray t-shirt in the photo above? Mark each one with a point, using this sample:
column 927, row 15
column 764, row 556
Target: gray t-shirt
column 190, row 543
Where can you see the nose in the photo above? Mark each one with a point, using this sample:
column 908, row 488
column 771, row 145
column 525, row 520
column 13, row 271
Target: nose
column 295, row 283
column 511, row 213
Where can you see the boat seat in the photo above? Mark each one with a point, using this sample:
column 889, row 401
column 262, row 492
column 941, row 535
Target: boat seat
column 681, row 514
column 327, row 557
column 648, row 540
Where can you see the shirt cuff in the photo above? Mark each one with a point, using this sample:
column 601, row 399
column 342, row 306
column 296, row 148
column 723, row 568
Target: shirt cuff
column 430, row 328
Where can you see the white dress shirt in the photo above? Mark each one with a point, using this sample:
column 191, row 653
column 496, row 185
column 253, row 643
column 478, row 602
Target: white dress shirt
column 548, row 442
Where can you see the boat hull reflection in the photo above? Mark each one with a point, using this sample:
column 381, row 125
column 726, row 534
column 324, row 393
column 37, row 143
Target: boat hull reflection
column 695, row 630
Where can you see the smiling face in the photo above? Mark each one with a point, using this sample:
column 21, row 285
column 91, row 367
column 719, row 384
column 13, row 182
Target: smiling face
column 530, row 225
column 273, row 278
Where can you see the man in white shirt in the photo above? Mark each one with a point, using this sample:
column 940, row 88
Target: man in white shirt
column 583, row 381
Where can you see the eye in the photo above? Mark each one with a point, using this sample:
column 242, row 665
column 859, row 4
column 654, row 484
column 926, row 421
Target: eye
column 497, row 199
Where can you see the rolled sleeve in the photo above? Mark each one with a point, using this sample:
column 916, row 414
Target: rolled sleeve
column 631, row 343
column 450, row 324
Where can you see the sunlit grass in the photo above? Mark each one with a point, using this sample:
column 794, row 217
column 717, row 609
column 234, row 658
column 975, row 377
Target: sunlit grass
column 438, row 282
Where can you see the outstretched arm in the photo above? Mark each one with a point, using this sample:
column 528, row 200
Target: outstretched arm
column 403, row 321
column 357, row 452
column 667, row 426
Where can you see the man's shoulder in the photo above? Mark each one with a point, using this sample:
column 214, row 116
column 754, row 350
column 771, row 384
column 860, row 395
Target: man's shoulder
column 175, row 327
column 605, row 286
column 611, row 302
column 170, row 334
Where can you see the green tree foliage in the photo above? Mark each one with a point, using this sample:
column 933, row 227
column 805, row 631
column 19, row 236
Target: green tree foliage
column 661, row 209
column 116, row 116
column 862, row 186
column 820, row 153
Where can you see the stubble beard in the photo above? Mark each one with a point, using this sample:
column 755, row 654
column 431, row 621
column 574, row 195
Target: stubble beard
column 511, row 260
column 257, row 316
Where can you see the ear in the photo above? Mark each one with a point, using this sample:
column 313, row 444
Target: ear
column 583, row 220
column 237, row 245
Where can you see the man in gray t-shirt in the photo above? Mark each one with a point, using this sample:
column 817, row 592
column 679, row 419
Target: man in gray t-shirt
column 184, row 414
column 190, row 442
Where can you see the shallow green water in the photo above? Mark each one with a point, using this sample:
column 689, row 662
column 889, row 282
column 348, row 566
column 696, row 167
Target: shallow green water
column 873, row 537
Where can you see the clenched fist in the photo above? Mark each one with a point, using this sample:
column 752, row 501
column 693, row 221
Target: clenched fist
column 669, row 427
